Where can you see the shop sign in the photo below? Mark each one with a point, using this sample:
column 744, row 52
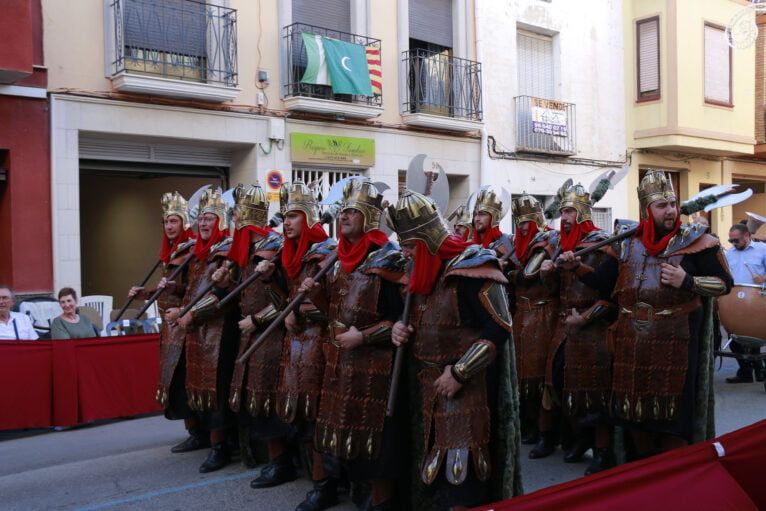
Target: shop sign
column 332, row 150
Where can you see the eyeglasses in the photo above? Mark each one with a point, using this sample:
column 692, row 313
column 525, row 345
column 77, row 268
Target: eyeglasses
column 734, row 241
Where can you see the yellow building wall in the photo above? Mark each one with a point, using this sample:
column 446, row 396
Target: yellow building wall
column 74, row 43
column 680, row 118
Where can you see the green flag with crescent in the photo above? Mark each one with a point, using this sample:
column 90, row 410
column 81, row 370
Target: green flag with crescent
column 347, row 64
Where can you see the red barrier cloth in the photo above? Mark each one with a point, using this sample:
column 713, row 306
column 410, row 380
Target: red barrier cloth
column 25, row 384
column 694, row 477
column 66, row 382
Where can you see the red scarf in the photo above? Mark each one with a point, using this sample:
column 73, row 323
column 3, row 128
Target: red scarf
column 647, row 233
column 351, row 255
column 486, row 239
column 240, row 245
column 202, row 249
column 427, row 266
column 522, row 242
column 167, row 250
column 292, row 252
column 466, row 234
column 569, row 240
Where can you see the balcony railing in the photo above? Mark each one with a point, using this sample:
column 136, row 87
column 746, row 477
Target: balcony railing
column 178, row 39
column 545, row 126
column 440, row 84
column 297, row 60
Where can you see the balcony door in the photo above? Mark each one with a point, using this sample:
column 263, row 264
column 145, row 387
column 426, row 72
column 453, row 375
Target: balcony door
column 430, row 80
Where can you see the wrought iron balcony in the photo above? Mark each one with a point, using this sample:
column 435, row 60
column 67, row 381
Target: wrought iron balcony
column 442, row 85
column 182, row 40
column 545, row 126
column 297, row 59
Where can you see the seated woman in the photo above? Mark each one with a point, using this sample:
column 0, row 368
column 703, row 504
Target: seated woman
column 70, row 325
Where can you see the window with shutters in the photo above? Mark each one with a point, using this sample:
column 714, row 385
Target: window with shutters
column 535, row 64
column 717, row 66
column 648, row 58
column 438, row 83
column 180, row 39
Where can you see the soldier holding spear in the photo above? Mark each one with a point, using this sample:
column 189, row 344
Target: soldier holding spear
column 306, row 249
column 177, row 244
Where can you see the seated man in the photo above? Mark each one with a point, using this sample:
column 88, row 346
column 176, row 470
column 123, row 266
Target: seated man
column 13, row 325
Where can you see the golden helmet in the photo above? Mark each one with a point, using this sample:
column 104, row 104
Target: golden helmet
column 296, row 196
column 527, row 209
column 212, row 201
column 416, row 217
column 363, row 196
column 578, row 198
column 463, row 217
column 251, row 206
column 654, row 186
column 173, row 203
column 488, row 202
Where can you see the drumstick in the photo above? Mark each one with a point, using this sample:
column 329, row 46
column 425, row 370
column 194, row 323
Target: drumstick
column 752, row 274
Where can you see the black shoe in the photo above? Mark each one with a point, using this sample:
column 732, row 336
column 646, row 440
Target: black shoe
column 197, row 440
column 760, row 374
column 217, row 458
column 544, row 447
column 324, row 495
column 740, row 379
column 602, row 459
column 531, row 438
column 277, row 471
column 580, row 447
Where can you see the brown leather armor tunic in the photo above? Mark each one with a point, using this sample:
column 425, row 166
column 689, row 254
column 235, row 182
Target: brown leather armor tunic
column 460, row 427
column 587, row 362
column 650, row 349
column 203, row 342
column 303, row 361
column 262, row 374
column 356, row 382
column 537, row 309
column 172, row 338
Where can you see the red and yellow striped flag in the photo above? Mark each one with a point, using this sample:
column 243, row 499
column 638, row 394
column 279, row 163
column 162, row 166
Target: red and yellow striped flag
column 376, row 71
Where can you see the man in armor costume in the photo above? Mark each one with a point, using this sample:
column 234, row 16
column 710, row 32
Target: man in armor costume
column 581, row 333
column 662, row 280
column 463, row 224
column 459, row 327
column 306, row 246
column 361, row 294
column 253, row 386
column 177, row 243
column 487, row 213
column 535, row 316
column 212, row 337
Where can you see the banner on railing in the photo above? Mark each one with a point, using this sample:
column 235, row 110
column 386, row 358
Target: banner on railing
column 549, row 117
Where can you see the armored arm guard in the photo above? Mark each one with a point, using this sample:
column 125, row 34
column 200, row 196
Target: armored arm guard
column 235, row 274
column 707, row 286
column 599, row 310
column 310, row 313
column 265, row 316
column 480, row 355
column 378, row 334
column 204, row 308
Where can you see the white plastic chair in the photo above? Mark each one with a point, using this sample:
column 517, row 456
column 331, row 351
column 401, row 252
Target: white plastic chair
column 41, row 313
column 103, row 305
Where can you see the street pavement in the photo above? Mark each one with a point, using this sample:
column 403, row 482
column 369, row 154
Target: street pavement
column 126, row 464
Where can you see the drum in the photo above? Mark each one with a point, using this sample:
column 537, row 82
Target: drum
column 743, row 311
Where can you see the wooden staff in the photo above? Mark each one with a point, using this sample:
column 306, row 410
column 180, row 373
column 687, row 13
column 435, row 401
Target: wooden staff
column 142, row 284
column 398, row 360
column 295, row 302
column 237, row 290
column 202, row 294
column 170, row 278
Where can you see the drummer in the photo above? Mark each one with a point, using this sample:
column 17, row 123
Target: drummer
column 747, row 262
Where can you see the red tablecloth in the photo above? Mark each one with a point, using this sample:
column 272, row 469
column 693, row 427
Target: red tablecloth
column 66, row 382
column 724, row 474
